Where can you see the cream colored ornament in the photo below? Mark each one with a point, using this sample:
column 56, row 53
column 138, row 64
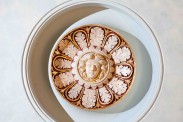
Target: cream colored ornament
column 92, row 67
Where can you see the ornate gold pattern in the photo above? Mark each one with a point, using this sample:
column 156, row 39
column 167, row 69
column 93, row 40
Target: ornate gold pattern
column 92, row 67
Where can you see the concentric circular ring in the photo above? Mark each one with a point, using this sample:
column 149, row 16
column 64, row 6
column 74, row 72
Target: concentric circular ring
column 92, row 66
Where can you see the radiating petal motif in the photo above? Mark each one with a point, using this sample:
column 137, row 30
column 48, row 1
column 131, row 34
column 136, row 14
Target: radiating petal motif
column 58, row 82
column 118, row 86
column 121, row 54
column 104, row 95
column 63, row 44
column 96, row 36
column 92, row 67
column 62, row 63
column 58, row 63
column 74, row 91
column 89, row 98
column 70, row 50
column 123, row 70
column 111, row 43
column 65, row 63
column 81, row 39
column 66, row 78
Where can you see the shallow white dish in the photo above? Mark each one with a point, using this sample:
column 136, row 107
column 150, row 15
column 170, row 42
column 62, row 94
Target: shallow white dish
column 42, row 38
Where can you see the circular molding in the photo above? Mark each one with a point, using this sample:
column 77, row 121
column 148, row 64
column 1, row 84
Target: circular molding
column 92, row 66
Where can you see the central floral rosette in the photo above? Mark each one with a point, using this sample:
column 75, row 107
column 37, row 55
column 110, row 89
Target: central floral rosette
column 92, row 66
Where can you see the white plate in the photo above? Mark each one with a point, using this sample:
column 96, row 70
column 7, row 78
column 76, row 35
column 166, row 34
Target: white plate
column 42, row 38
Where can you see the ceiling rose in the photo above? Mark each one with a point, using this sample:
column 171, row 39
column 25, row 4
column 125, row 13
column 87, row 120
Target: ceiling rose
column 92, row 67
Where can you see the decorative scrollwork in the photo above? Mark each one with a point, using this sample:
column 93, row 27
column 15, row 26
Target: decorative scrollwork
column 92, row 67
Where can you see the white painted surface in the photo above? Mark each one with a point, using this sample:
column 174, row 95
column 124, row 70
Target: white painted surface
column 18, row 17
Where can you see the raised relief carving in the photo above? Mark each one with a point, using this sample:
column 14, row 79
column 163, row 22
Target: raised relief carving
column 124, row 70
column 111, row 43
column 118, row 86
column 122, row 54
column 92, row 67
column 81, row 39
column 96, row 36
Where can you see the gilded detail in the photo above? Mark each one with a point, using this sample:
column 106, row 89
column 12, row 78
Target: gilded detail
column 92, row 67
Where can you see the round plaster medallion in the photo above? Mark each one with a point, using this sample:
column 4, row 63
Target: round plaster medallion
column 92, row 66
